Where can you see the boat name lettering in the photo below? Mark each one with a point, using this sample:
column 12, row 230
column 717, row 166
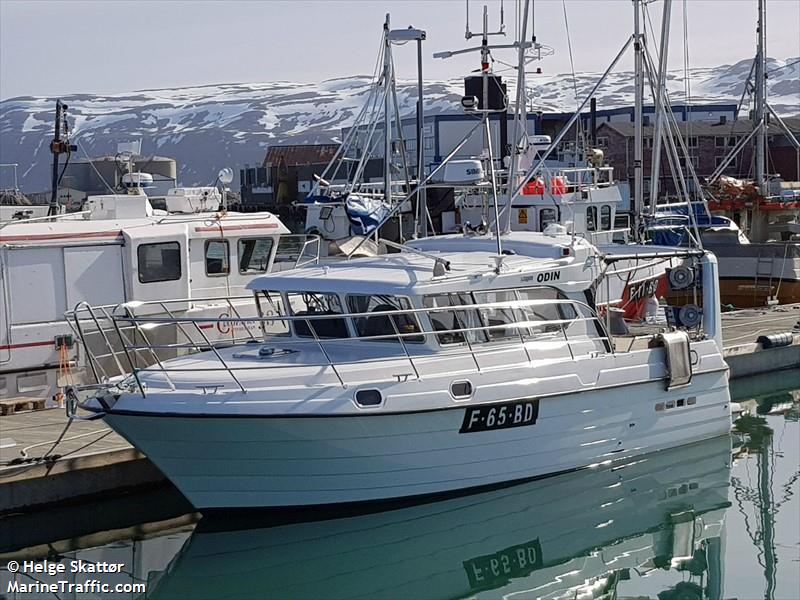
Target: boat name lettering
column 494, row 570
column 549, row 276
column 500, row 416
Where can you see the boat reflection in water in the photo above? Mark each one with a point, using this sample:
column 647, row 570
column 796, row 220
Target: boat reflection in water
column 584, row 535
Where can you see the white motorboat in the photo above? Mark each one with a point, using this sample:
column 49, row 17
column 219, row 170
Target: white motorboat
column 582, row 535
column 414, row 374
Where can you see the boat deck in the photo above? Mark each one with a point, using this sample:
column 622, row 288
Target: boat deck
column 91, row 459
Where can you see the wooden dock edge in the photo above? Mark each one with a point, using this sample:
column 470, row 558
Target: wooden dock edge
column 28, row 487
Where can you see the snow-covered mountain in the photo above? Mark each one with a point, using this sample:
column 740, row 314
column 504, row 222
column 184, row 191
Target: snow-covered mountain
column 208, row 127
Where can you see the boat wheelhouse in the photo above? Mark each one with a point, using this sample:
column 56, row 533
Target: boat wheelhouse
column 413, row 374
column 119, row 250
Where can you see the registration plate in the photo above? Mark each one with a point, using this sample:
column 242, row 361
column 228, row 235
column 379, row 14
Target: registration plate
column 500, row 416
column 493, row 570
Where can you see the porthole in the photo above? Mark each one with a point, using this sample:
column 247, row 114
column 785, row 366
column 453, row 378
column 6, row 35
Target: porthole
column 461, row 389
column 369, row 397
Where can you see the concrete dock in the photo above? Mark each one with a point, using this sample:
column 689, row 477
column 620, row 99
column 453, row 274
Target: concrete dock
column 90, row 460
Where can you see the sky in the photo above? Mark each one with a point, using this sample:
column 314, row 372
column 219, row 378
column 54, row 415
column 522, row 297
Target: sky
column 50, row 48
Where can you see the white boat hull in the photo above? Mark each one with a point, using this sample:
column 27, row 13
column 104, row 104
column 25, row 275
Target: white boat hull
column 276, row 461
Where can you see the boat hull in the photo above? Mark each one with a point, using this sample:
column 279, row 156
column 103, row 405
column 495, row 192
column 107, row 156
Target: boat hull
column 279, row 461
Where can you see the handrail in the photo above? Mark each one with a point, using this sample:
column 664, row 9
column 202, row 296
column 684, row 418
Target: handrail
column 525, row 328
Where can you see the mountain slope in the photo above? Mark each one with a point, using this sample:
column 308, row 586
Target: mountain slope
column 208, row 127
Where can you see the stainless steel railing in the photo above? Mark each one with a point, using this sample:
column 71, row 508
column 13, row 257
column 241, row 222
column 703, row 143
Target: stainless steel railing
column 118, row 337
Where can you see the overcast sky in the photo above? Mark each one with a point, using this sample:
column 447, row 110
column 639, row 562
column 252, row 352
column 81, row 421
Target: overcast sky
column 53, row 48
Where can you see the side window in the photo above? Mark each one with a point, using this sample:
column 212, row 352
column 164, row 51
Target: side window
column 254, row 254
column 159, row 262
column 452, row 323
column 547, row 216
column 384, row 325
column 605, row 217
column 270, row 304
column 217, row 258
column 591, row 218
column 317, row 304
column 545, row 309
column 499, row 320
column 289, row 249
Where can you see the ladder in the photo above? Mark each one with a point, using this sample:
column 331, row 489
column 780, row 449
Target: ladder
column 764, row 270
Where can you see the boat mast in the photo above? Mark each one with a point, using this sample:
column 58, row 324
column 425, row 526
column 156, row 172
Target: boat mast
column 759, row 122
column 638, row 145
column 520, row 116
column 57, row 146
column 387, row 120
column 660, row 106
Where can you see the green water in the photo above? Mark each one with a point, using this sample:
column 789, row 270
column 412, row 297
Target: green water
column 716, row 520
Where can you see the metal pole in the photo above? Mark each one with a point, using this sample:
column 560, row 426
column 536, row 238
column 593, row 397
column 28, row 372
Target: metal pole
column 761, row 98
column 519, row 115
column 387, row 138
column 660, row 106
column 488, row 125
column 55, row 148
column 638, row 146
column 422, row 207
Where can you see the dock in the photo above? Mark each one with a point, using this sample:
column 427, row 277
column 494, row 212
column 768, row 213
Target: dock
column 43, row 464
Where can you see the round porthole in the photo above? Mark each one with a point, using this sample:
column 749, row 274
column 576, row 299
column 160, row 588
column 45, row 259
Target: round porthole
column 369, row 397
column 461, row 389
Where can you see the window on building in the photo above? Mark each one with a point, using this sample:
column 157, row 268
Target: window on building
column 602, row 142
column 647, row 143
column 605, row 217
column 315, row 304
column 411, row 145
column 692, row 141
column 254, row 255
column 718, row 160
column 720, row 141
column 217, row 258
column 428, row 143
column 591, row 218
column 159, row 262
column 384, row 325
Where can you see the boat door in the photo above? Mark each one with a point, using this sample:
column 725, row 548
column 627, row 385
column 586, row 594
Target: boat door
column 158, row 261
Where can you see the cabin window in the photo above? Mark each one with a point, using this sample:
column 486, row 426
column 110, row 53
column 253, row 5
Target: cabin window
column 254, row 255
column 289, row 249
column 384, row 325
column 321, row 306
column 547, row 311
column 159, row 262
column 270, row 304
column 499, row 320
column 605, row 217
column 591, row 218
column 217, row 258
column 455, row 326
column 547, row 216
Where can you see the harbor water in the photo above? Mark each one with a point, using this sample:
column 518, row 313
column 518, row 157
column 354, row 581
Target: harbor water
column 714, row 520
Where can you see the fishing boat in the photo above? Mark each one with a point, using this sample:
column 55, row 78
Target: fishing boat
column 119, row 248
column 416, row 373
